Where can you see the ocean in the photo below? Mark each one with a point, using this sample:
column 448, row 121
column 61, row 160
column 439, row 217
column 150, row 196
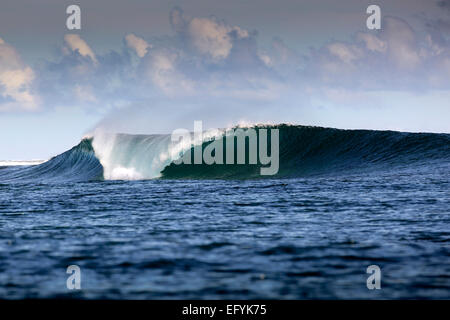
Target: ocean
column 141, row 227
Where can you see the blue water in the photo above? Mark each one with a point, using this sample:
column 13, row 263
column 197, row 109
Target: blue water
column 282, row 239
column 309, row 233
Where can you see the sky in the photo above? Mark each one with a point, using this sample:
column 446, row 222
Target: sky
column 154, row 66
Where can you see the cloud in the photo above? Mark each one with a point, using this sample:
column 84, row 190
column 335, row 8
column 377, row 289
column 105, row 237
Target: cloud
column 211, row 62
column 445, row 4
column 344, row 52
column 16, row 81
column 177, row 20
column 205, row 58
column 207, row 35
column 372, row 42
column 139, row 45
column 394, row 58
column 85, row 93
column 77, row 44
column 402, row 46
column 210, row 37
column 214, row 38
column 161, row 68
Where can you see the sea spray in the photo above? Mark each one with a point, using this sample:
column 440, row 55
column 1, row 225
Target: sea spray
column 138, row 157
column 131, row 157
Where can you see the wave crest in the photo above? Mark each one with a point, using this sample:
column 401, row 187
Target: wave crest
column 303, row 151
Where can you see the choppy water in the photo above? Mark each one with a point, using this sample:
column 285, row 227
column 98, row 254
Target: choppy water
column 310, row 237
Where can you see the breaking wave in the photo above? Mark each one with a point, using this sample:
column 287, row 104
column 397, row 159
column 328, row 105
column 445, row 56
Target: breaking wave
column 302, row 151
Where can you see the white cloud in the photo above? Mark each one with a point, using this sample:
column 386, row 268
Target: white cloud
column 210, row 59
column 210, row 37
column 207, row 35
column 266, row 59
column 15, row 81
column 75, row 43
column 344, row 52
column 161, row 69
column 372, row 42
column 395, row 58
column 137, row 44
column 402, row 47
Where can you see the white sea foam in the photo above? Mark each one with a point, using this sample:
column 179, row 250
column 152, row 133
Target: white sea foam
column 137, row 157
column 131, row 157
column 8, row 163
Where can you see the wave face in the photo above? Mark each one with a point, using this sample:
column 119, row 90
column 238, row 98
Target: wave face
column 303, row 151
column 75, row 165
column 315, row 150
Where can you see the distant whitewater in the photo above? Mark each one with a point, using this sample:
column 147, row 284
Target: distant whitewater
column 303, row 151
column 8, row 163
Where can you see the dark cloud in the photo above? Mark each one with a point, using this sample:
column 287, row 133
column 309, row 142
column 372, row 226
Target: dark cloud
column 444, row 4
